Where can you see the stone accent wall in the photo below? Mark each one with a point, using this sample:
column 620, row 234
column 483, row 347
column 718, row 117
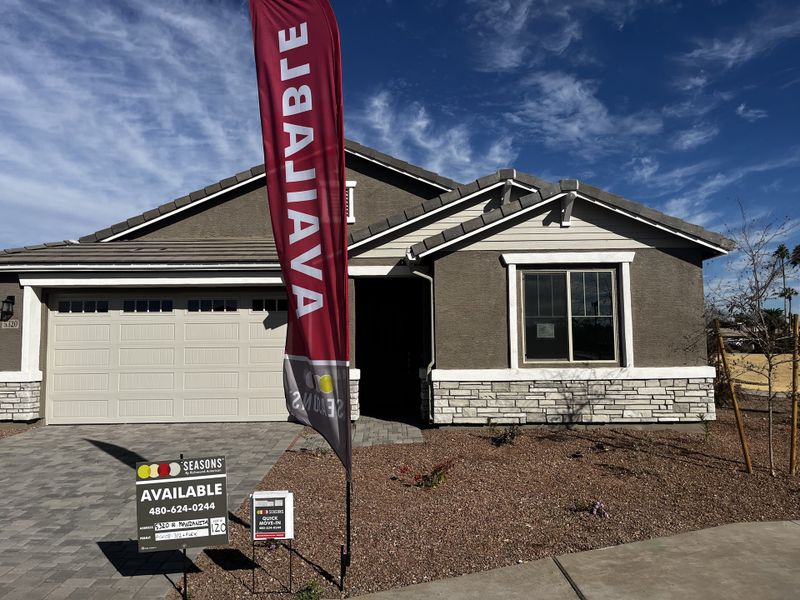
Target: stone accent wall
column 578, row 402
column 20, row 401
column 355, row 408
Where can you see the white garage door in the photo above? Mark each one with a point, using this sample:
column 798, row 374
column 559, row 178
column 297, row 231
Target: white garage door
column 165, row 357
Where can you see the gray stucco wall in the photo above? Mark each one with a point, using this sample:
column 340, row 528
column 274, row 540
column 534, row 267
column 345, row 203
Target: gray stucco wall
column 381, row 193
column 11, row 339
column 471, row 311
column 667, row 302
column 243, row 214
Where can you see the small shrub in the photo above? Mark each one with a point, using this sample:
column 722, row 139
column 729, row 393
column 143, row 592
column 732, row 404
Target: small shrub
column 310, row 591
column 436, row 476
column 706, row 424
column 598, row 509
column 507, row 435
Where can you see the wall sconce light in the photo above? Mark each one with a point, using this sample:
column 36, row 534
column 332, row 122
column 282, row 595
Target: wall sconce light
column 7, row 308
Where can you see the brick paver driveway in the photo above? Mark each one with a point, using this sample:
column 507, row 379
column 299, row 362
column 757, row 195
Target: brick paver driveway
column 68, row 517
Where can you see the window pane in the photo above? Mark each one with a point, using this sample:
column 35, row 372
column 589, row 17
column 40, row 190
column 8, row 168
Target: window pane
column 593, row 338
column 205, row 305
column 76, row 306
column 219, row 305
column 546, row 316
column 231, row 305
column 166, row 305
column 89, row 306
column 194, row 305
column 128, row 305
column 283, row 304
column 576, row 290
column 154, row 305
column 258, row 305
column 102, row 306
column 141, row 306
column 63, row 306
column 605, row 291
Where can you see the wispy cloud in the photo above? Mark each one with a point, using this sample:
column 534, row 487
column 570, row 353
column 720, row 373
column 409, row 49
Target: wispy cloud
column 695, row 206
column 518, row 33
column 563, row 110
column 409, row 131
column 700, row 134
column 759, row 37
column 104, row 114
column 751, row 114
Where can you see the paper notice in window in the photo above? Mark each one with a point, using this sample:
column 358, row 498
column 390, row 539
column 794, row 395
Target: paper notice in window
column 545, row 331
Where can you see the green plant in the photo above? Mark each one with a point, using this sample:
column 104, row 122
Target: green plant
column 310, row 591
column 437, row 476
column 706, row 425
column 507, row 435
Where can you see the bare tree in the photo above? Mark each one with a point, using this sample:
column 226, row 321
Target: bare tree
column 760, row 272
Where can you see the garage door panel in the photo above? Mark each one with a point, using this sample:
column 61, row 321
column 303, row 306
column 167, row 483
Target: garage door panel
column 146, row 381
column 211, row 407
column 146, row 408
column 211, row 356
column 168, row 366
column 147, row 332
column 211, row 331
column 80, row 382
column 272, row 336
column 266, row 406
column 146, row 357
column 266, row 356
column 82, row 333
column 81, row 357
column 75, row 411
column 220, row 380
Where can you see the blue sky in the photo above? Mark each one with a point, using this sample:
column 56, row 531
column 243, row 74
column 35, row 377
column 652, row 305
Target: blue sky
column 111, row 108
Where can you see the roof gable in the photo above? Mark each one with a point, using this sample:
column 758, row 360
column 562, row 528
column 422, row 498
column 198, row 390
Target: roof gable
column 256, row 175
column 483, row 225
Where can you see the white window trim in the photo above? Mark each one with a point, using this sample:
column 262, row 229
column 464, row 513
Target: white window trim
column 351, row 191
column 614, row 307
column 550, row 258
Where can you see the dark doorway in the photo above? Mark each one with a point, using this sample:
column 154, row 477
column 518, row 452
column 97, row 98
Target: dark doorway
column 392, row 344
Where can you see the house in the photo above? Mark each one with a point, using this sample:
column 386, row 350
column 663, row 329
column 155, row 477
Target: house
column 506, row 300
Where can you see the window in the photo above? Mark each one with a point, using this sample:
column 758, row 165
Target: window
column 569, row 315
column 144, row 306
column 213, row 305
column 83, row 306
column 270, row 305
column 349, row 199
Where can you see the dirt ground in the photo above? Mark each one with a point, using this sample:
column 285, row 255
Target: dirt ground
column 750, row 370
column 502, row 505
column 10, row 428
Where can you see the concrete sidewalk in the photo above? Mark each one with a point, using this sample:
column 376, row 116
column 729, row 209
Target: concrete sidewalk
column 739, row 561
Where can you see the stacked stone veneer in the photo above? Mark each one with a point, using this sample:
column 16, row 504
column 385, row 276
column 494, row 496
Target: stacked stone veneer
column 19, row 401
column 594, row 401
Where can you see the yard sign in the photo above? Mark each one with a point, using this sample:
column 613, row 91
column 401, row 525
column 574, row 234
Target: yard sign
column 181, row 503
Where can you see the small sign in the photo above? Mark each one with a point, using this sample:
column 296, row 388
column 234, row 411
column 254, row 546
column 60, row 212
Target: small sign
column 545, row 331
column 181, row 503
column 10, row 324
column 272, row 515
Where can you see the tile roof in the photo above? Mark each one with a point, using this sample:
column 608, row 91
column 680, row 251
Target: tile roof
column 568, row 185
column 198, row 195
column 460, row 191
column 145, row 252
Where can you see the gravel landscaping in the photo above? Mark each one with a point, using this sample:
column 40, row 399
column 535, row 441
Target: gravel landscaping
column 11, row 428
column 502, row 504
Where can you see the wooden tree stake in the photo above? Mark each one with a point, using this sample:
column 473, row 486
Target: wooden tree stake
column 732, row 390
column 793, row 448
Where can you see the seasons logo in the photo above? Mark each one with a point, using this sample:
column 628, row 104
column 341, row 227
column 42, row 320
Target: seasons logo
column 158, row 470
